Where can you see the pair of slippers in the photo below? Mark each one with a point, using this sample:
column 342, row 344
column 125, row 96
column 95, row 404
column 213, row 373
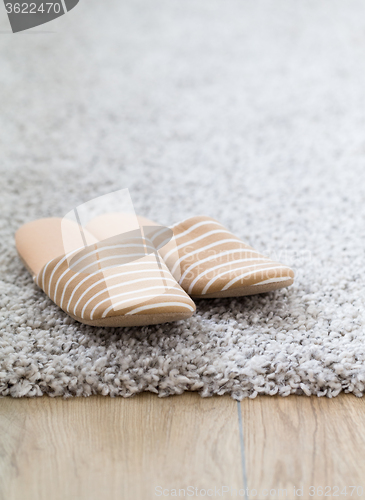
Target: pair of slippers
column 111, row 273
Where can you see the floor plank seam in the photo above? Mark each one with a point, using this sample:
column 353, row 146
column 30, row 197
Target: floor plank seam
column 242, row 447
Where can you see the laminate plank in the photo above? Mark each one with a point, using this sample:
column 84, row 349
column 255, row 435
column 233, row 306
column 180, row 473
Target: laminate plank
column 93, row 448
column 299, row 442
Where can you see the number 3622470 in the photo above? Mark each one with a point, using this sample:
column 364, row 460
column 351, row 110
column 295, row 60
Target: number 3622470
column 32, row 8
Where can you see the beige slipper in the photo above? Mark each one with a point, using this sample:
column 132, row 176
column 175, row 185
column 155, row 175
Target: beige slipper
column 209, row 261
column 214, row 263
column 120, row 281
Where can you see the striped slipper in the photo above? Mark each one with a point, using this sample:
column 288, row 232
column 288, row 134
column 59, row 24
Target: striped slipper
column 208, row 261
column 114, row 282
column 213, row 262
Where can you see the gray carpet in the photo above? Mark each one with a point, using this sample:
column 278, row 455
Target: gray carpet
column 250, row 112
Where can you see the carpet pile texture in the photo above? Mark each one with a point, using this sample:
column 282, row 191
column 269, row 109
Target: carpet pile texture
column 249, row 112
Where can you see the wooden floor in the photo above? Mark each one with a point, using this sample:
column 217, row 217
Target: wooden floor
column 146, row 447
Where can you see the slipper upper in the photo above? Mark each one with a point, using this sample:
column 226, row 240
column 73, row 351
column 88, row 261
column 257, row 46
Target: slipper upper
column 92, row 291
column 208, row 259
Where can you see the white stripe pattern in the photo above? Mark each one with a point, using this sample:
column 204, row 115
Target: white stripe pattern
column 175, row 227
column 219, row 266
column 97, row 295
column 96, row 283
column 210, row 258
column 210, row 263
column 200, row 250
column 118, row 286
column 230, row 271
column 272, row 280
column 191, row 242
column 160, row 304
column 111, row 247
column 244, row 275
